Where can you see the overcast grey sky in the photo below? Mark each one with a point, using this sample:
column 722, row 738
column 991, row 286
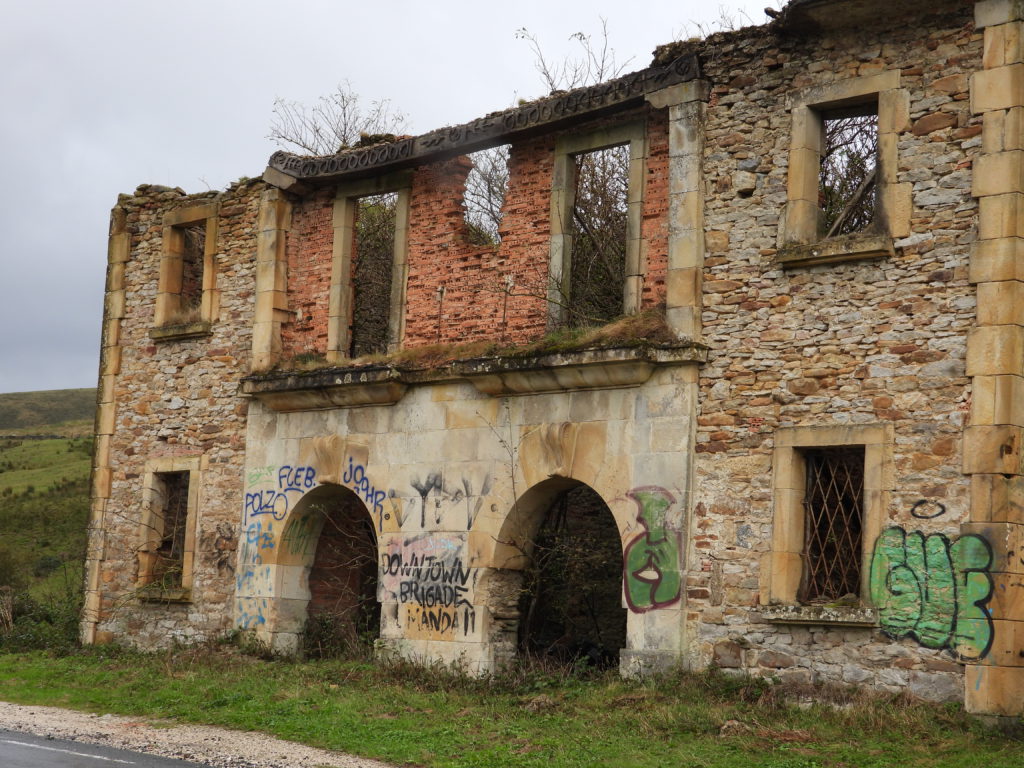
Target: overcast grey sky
column 102, row 96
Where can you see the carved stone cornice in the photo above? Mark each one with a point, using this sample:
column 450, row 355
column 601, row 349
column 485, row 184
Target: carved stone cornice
column 538, row 116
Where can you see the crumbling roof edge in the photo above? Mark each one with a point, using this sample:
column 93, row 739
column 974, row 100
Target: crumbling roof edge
column 286, row 169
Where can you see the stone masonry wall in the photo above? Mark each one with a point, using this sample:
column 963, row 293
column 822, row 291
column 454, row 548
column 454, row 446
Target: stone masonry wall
column 881, row 341
column 178, row 397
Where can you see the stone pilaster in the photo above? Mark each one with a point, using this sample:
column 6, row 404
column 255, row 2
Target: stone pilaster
column 684, row 281
column 271, row 278
column 995, row 356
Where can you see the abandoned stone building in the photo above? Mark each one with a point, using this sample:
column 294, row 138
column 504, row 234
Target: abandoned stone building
column 791, row 443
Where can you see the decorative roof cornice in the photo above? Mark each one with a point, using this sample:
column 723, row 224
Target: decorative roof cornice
column 544, row 114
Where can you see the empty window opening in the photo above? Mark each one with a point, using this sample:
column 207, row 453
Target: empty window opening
column 847, row 187
column 833, row 523
column 172, row 516
column 486, row 187
column 372, row 267
column 193, row 255
column 571, row 601
column 597, row 276
column 343, row 615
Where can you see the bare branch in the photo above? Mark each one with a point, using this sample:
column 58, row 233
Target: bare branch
column 336, row 121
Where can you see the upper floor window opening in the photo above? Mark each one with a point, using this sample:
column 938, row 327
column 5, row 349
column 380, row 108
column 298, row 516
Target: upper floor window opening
column 187, row 286
column 366, row 313
column 844, row 198
column 847, row 189
column 484, row 197
column 372, row 272
column 596, row 266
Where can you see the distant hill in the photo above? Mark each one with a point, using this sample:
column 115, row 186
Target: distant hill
column 22, row 412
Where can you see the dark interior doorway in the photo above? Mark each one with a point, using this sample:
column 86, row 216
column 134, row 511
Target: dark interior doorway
column 343, row 613
column 571, row 602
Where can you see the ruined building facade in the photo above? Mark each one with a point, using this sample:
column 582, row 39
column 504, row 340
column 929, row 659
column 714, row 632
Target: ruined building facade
column 808, row 445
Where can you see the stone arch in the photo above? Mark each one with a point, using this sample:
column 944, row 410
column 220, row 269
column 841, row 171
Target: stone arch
column 326, row 562
column 556, row 587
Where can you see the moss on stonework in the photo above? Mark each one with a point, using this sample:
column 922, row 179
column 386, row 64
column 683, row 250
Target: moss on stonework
column 644, row 329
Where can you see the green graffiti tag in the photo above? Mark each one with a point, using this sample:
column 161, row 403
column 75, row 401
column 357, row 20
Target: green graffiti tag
column 651, row 572
column 934, row 590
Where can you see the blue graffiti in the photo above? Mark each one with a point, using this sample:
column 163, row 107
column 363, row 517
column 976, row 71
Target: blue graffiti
column 276, row 501
column 269, row 502
column 355, row 477
column 291, row 478
column 263, row 539
column 248, row 619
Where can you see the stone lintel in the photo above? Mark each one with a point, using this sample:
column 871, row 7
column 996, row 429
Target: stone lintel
column 543, row 115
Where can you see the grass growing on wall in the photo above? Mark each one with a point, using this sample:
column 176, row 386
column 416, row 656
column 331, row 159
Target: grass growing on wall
column 431, row 717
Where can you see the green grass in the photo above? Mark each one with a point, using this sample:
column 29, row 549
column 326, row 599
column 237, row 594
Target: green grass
column 431, row 717
column 34, row 411
column 44, row 503
column 43, row 465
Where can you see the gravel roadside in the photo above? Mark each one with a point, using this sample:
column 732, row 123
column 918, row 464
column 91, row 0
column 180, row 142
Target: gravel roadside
column 217, row 747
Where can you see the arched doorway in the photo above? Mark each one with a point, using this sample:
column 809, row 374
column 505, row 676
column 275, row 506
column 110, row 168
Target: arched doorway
column 330, row 544
column 570, row 606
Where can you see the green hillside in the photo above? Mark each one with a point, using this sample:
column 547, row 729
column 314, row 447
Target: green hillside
column 55, row 411
column 44, row 511
column 44, row 507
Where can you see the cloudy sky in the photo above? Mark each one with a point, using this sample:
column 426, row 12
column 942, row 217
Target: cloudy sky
column 102, row 96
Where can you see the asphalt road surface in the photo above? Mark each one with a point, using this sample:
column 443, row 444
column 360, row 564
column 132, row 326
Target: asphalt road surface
column 23, row 750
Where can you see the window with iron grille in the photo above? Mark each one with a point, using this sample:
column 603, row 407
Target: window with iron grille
column 833, row 523
column 170, row 562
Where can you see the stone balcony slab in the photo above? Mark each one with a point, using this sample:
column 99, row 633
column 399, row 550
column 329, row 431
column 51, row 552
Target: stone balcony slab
column 360, row 385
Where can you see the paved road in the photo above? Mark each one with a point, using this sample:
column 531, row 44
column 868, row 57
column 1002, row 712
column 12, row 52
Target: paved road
column 23, row 750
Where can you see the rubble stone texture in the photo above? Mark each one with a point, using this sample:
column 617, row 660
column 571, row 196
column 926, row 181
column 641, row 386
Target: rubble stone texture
column 905, row 339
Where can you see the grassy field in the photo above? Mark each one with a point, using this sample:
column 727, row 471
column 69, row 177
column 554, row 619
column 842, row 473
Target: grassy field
column 430, row 717
column 44, row 501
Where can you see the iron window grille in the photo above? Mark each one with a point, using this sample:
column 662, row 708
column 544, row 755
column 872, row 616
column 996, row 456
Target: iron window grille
column 833, row 523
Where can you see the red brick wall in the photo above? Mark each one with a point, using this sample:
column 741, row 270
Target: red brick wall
column 655, row 218
column 476, row 305
column 309, row 250
column 490, row 293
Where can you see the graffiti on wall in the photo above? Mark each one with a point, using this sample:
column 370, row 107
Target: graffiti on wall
column 254, row 577
column 651, row 559
column 355, row 478
column 428, row 575
column 291, row 484
column 435, row 495
column 934, row 589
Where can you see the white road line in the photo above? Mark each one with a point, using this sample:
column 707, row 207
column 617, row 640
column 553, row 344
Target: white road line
column 68, row 752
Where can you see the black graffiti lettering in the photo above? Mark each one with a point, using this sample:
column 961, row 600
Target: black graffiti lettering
column 432, row 595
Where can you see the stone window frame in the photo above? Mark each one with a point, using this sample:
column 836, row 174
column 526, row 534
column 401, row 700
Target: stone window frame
column 169, row 287
column 342, row 298
column 786, row 558
column 563, row 199
column 151, row 527
column 801, row 241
